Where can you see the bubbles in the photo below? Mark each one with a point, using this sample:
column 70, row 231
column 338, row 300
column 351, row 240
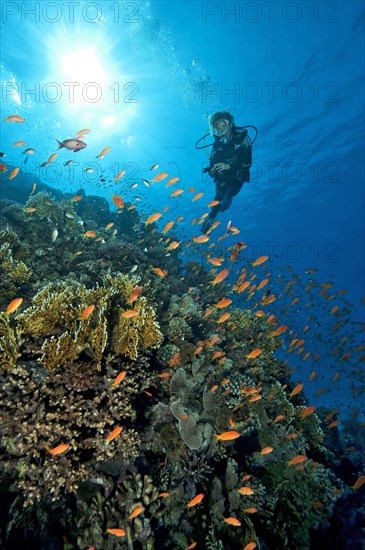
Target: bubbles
column 186, row 71
column 195, row 62
column 173, row 48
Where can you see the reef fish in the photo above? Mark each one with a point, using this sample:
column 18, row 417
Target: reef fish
column 130, row 313
column 59, row 450
column 297, row 460
column 87, row 312
column 232, row 521
column 228, row 436
column 119, row 378
column 117, row 532
column 221, row 276
column 74, row 145
column 14, row 304
column 136, row 512
column 358, row 483
column 254, row 353
column 160, row 177
column 14, row 118
column 113, row 434
column 196, row 500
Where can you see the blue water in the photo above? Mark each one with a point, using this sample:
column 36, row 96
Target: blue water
column 146, row 77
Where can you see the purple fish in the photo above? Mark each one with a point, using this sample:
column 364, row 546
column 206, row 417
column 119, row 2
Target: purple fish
column 74, row 145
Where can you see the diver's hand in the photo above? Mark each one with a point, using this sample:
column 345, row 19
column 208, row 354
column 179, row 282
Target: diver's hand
column 220, row 167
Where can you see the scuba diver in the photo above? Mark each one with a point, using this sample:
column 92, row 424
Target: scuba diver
column 230, row 161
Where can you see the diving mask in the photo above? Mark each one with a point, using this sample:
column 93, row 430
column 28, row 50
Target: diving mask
column 224, row 126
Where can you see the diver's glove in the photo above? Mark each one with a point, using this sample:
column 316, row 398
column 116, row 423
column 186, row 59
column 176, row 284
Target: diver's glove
column 207, row 225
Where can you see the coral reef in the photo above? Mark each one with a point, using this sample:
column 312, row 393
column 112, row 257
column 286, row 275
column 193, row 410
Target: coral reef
column 117, row 413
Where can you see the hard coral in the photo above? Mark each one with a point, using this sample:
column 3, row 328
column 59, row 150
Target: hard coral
column 55, row 319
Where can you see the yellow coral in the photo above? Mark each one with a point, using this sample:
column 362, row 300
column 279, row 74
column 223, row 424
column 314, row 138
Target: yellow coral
column 56, row 316
column 9, row 343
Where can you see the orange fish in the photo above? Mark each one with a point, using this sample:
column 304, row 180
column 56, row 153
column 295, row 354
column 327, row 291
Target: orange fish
column 176, row 193
column 117, row 532
column 136, row 292
column 254, row 353
column 201, row 239
column 307, row 411
column 220, row 277
column 358, row 483
column 262, row 284
column 159, row 271
column 14, row 118
column 224, row 303
column 266, row 451
column 313, row 375
column 113, row 434
column 164, row 495
column 223, row 318
column 213, row 203
column 216, row 261
column 33, row 188
column 51, row 158
column 174, row 245
column 228, row 436
column 153, row 218
column 59, row 450
column 87, row 312
column 83, row 132
column 103, row 153
column 160, row 176
column 129, row 314
column 232, row 521
column 197, row 196
column 3, row 167
column 246, row 491
column 164, row 375
column 260, row 260
column 136, row 512
column 296, row 390
column 297, row 460
column 172, row 181
column 175, row 360
column 243, row 286
column 255, row 398
column 13, row 173
column 168, row 227
column 250, row 546
column 14, row 304
column 90, row 234
column 119, row 378
column 118, row 201
column 30, row 209
column 250, row 510
column 77, row 198
column 191, row 546
column 119, row 175
column 279, row 331
column 196, row 500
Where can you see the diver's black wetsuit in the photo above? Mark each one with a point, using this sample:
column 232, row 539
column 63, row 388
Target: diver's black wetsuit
column 238, row 154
